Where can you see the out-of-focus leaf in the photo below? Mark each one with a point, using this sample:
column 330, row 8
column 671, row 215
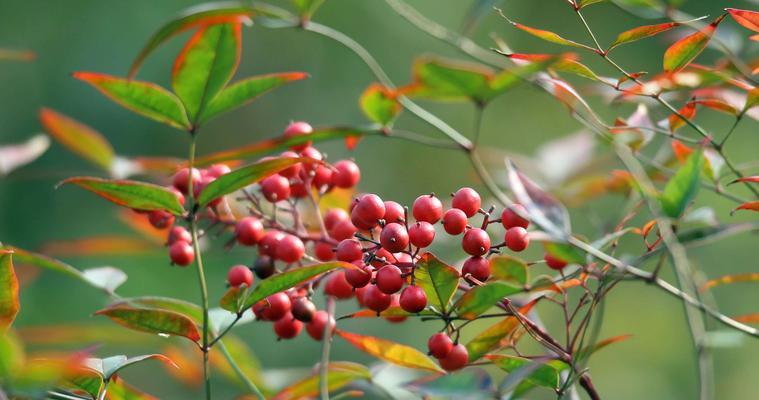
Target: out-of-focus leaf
column 17, row 55
column 752, row 99
column 144, row 98
column 245, row 176
column 86, row 379
column 546, row 374
column 79, row 335
column 749, row 19
column 244, row 91
column 471, row 384
column 685, row 50
column 752, row 179
column 683, row 186
column 642, row 32
column 723, row 280
column 438, row 279
column 379, row 103
column 481, row 298
column 132, row 194
column 9, row 304
column 748, row 318
column 78, row 138
column 112, row 365
column 120, row 390
column 339, row 374
column 105, row 245
column 576, row 68
column 152, row 320
column 543, row 208
column 477, row 11
column 202, row 14
column 307, row 8
column 107, row 278
column 588, row 351
column 718, row 105
column 585, row 3
column 509, row 269
column 546, row 35
column 688, row 111
column 750, row 206
column 391, row 352
column 38, row 260
column 566, row 252
column 12, row 357
column 205, row 65
column 17, row 155
column 245, row 359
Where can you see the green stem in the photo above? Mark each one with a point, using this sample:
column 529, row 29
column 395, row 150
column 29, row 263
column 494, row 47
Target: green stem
column 326, row 344
column 240, row 374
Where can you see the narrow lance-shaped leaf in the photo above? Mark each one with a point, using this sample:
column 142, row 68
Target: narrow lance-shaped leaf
column 642, row 32
column 391, row 352
column 481, row 298
column 747, row 18
column 205, row 65
column 9, row 304
column 78, row 137
column 751, row 179
column 132, row 194
column 471, row 384
column 685, row 50
column 586, row 352
column 438, row 280
column 379, row 103
column 676, row 121
column 495, row 336
column 565, row 252
column 112, row 365
column 749, row 206
column 339, row 374
column 683, row 186
column 547, row 35
column 152, row 320
column 544, row 375
column 717, row 105
column 144, row 98
column 723, row 280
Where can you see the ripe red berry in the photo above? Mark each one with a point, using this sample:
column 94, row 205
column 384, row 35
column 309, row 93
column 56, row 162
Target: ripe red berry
column 298, row 189
column 205, row 181
column 394, row 212
column 333, row 216
column 275, row 188
column 324, row 251
column 268, row 244
column 273, row 307
column 476, row 242
column 338, row 286
column 394, row 237
column 290, row 172
column 427, row 208
column 510, row 219
column 307, row 169
column 375, row 299
column 264, row 267
column 478, row 267
column 413, row 299
column 439, row 345
column 240, row 275
column 389, row 279
column 517, row 238
column 303, row 309
column 343, row 230
column 554, row 262
column 287, row 327
column 456, row 359
column 179, row 195
column 382, row 257
column 321, row 322
column 368, row 209
column 249, row 231
column 298, row 128
column 454, row 221
column 290, row 249
column 218, row 170
column 359, row 277
column 349, row 250
column 181, row 253
column 160, row 219
column 346, row 174
column 182, row 179
column 178, row 233
column 322, row 178
column 421, row 234
column 467, row 200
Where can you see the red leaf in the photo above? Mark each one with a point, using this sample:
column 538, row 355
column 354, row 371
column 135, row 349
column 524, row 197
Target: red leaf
column 749, row 19
column 751, row 206
column 685, row 50
column 753, row 179
column 718, row 105
column 688, row 111
column 681, row 151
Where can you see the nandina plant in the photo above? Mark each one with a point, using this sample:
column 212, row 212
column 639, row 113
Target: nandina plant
column 318, row 239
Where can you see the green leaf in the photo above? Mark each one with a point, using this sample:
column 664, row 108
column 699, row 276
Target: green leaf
column 683, row 186
column 245, row 91
column 9, row 304
column 574, row 67
column 481, row 298
column 307, row 8
column 685, row 50
column 87, row 379
column 565, row 252
column 113, row 365
column 509, row 269
column 202, row 14
column 438, row 280
column 391, row 352
column 38, row 260
column 545, row 374
column 752, row 99
column 589, row 350
column 79, row 138
column 380, row 104
column 491, row 338
column 205, row 65
column 120, row 390
column 152, row 320
column 132, row 194
column 641, row 32
column 471, row 384
column 339, row 374
column 246, row 176
column 144, row 98
column 585, row 3
column 171, row 304
column 12, row 355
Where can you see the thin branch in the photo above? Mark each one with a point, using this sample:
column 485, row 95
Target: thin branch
column 326, row 344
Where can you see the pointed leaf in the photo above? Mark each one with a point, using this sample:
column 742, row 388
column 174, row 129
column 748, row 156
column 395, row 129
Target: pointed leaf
column 723, row 280
column 307, row 8
column 576, row 68
column 752, row 99
column 544, row 209
column 79, row 138
column 718, row 105
column 17, row 155
column 120, row 390
column 496, row 335
column 544, row 375
column 685, row 50
column 245, row 91
column 379, row 103
column 86, row 379
column 585, row 3
column 152, row 320
column 171, row 304
column 391, row 352
column 339, row 374
column 144, row 98
column 747, row 18
column 470, row 384
column 642, row 32
column 9, row 304
column 481, row 298
column 752, row 179
column 588, row 351
column 547, row 35
column 132, row 194
column 438, row 279
column 509, row 269
column 113, row 365
column 683, row 186
column 688, row 111
column 38, row 260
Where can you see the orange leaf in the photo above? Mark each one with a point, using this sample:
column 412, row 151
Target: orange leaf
column 717, row 105
column 685, row 50
column 389, row 351
column 601, row 344
column 749, row 19
column 681, row 151
column 751, row 206
column 688, row 111
column 723, row 280
column 100, row 245
column 748, row 318
column 79, row 138
column 753, row 179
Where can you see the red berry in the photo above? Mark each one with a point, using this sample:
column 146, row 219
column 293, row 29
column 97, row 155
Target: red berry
column 290, row 172
column 303, row 309
column 346, row 174
column 349, row 250
column 205, row 181
column 394, row 212
column 181, row 253
column 454, row 221
column 554, row 262
column 322, row 177
column 290, row 249
column 427, row 208
column 421, row 234
column 319, row 324
column 218, row 170
column 298, row 129
column 478, row 267
column 273, row 307
column 333, row 216
column 389, row 279
column 439, row 345
column 287, row 327
column 324, row 251
column 308, row 168
column 368, row 209
column 467, row 200
column 476, row 242
column 268, row 244
column 510, row 219
column 343, row 230
column 249, row 231
column 264, row 267
column 359, row 277
column 240, row 275
column 375, row 299
column 457, row 358
column 160, row 219
column 394, row 237
column 413, row 299
column 182, row 179
column 179, row 195
column 338, row 286
column 517, row 238
column 275, row 188
column 382, row 257
column 299, row 190
column 178, row 233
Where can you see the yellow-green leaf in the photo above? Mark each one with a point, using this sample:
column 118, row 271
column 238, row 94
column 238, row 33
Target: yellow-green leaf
column 509, row 269
column 9, row 304
column 339, row 374
column 481, row 298
column 132, row 194
column 685, row 50
column 683, row 186
column 438, row 279
column 379, row 103
column 152, row 320
column 79, row 138
column 391, row 352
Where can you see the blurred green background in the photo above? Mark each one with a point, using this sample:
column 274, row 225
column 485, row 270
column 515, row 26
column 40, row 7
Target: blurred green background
column 105, row 35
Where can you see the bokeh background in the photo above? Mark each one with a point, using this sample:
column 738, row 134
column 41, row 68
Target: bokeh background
column 105, row 35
